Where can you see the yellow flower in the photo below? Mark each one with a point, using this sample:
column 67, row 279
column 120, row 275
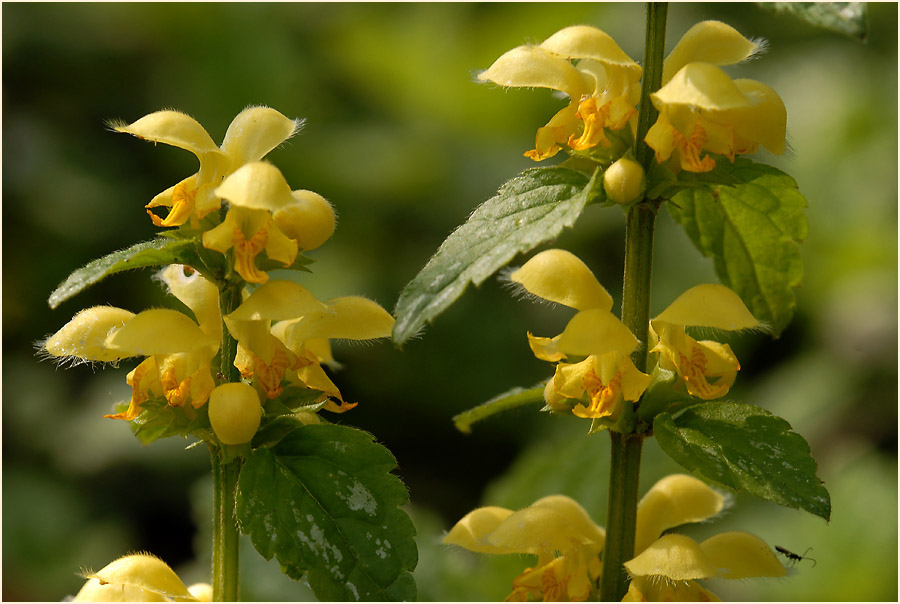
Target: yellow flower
column 555, row 528
column 708, row 368
column 606, row 373
column 601, row 86
column 139, row 578
column 666, row 568
column 296, row 345
column 252, row 134
column 178, row 350
column 702, row 109
column 567, row 543
column 265, row 215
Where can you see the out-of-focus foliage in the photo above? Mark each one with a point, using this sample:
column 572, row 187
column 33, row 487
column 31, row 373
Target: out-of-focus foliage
column 404, row 144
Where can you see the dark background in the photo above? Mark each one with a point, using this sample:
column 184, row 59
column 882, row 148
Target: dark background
column 405, row 145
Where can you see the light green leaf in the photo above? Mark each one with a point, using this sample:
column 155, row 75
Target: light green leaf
column 510, row 399
column 747, row 449
column 323, row 502
column 157, row 252
column 752, row 231
column 848, row 18
column 528, row 210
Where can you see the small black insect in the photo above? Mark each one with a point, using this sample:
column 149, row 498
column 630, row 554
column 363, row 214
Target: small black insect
column 792, row 556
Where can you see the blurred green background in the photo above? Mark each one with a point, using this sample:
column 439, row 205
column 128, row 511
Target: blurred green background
column 404, row 144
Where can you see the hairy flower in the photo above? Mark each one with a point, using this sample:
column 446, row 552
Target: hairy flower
column 283, row 333
column 605, row 372
column 708, row 368
column 139, row 578
column 264, row 215
column 702, row 109
column 178, row 349
column 252, row 134
column 601, row 86
column 567, row 543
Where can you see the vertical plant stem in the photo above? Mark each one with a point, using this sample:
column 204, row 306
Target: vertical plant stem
column 226, row 538
column 625, row 455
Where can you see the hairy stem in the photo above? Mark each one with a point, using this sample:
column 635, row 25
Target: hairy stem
column 625, row 455
column 226, row 538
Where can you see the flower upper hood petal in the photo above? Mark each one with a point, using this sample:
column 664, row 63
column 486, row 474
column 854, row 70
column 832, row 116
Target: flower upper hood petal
column 588, row 42
column 159, row 331
column 674, row 500
column 740, row 555
column 675, row 557
column 708, row 42
column 277, row 300
column 709, row 305
column 595, row 332
column 254, row 132
column 346, row 318
column 703, row 86
column 560, row 276
column 257, row 186
column 173, row 128
column 536, row 67
column 472, row 531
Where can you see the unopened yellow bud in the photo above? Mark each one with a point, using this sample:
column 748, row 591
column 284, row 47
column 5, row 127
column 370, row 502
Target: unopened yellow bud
column 309, row 219
column 624, row 181
column 234, row 413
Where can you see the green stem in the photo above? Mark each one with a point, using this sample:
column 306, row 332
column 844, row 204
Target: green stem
column 226, row 538
column 625, row 450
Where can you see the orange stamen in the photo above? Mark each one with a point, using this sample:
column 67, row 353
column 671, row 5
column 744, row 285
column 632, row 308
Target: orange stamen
column 693, row 371
column 175, row 391
column 603, row 397
column 690, row 149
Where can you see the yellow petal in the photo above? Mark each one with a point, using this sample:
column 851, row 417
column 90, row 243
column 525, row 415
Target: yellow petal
column 576, row 515
column 568, row 379
column 535, row 530
column 740, row 555
column 202, row 592
column 535, row 67
column 674, row 500
column 709, row 305
column 256, row 185
column 84, row 337
column 94, row 591
column 198, row 294
column 675, row 557
column 560, row 276
column 158, row 331
column 279, row 247
column 708, row 42
column 146, row 572
column 548, row 138
column 473, row 530
column 254, row 132
column 587, row 42
column 346, row 318
column 661, row 138
column 173, row 128
column 545, row 348
column 313, row 376
column 596, row 331
column 278, row 300
column 309, row 219
column 703, row 86
column 764, row 121
column 650, row 589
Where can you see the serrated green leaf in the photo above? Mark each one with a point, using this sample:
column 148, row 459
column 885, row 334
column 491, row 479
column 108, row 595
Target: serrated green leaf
column 848, row 18
column 157, row 252
column 530, row 209
column 323, row 502
column 516, row 397
column 745, row 448
column 752, row 231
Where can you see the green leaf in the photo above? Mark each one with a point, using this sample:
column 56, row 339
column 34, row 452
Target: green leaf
column 157, row 252
column 848, row 18
column 752, row 231
column 510, row 399
column 323, row 502
column 528, row 210
column 745, row 448
column 158, row 420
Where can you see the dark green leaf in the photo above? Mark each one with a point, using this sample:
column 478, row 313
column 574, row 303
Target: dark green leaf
column 503, row 402
column 752, row 231
column 530, row 209
column 848, row 18
column 157, row 252
column 323, row 502
column 745, row 448
column 158, row 420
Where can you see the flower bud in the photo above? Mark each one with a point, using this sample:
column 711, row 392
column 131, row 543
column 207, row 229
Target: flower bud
column 624, row 181
column 234, row 413
column 309, row 219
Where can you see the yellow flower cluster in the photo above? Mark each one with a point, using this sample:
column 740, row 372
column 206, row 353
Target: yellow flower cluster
column 603, row 374
column 700, row 107
column 283, row 331
column 665, row 567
